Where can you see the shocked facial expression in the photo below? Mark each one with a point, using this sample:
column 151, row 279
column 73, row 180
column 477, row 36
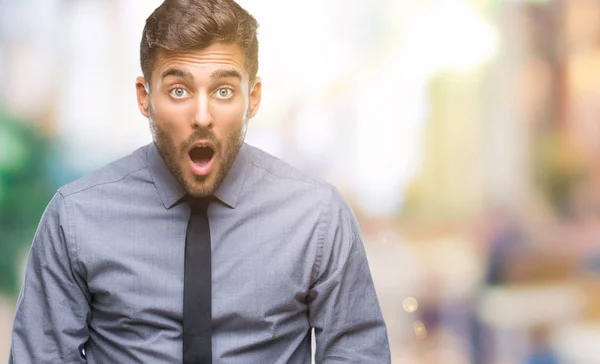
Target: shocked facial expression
column 198, row 103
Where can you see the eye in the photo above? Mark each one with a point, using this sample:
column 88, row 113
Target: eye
column 178, row 93
column 224, row 93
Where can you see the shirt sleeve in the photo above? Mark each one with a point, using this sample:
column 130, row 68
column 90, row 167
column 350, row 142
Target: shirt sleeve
column 343, row 306
column 50, row 323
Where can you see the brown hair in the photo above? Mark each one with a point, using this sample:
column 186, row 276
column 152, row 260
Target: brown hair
column 180, row 25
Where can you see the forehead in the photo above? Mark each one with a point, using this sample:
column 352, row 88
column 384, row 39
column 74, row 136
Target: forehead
column 201, row 62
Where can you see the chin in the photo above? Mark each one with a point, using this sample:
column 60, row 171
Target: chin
column 200, row 186
column 200, row 189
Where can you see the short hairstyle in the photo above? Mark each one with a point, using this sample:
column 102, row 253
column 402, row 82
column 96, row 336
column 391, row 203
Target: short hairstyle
column 183, row 25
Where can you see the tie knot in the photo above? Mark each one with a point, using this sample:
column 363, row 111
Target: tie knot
column 198, row 205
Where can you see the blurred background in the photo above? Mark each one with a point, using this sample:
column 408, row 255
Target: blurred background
column 465, row 134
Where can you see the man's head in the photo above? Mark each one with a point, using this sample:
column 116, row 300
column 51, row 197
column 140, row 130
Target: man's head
column 199, row 59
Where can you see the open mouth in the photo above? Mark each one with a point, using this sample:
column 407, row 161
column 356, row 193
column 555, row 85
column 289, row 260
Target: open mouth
column 201, row 155
column 202, row 158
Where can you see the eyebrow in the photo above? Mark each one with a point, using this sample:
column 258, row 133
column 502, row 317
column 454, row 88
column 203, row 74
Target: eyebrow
column 177, row 73
column 218, row 74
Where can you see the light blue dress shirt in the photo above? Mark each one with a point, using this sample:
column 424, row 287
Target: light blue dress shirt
column 105, row 271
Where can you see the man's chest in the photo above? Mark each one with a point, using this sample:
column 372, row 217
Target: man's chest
column 135, row 271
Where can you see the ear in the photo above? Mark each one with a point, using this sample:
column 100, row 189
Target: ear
column 255, row 96
column 143, row 95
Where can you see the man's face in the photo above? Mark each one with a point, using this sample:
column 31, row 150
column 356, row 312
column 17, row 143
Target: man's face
column 199, row 105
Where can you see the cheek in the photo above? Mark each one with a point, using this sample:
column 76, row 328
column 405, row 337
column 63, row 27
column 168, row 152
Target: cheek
column 172, row 118
column 229, row 117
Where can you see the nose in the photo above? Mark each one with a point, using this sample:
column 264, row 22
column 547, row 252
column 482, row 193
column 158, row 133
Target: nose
column 202, row 116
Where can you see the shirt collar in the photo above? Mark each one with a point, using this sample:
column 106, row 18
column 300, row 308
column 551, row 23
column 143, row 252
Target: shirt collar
column 171, row 191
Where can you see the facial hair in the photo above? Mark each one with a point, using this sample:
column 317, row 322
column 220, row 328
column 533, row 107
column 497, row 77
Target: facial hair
column 175, row 155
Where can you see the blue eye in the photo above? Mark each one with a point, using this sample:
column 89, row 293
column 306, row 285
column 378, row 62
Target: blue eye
column 224, row 93
column 178, row 93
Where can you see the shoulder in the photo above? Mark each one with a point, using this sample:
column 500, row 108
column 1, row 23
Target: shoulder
column 277, row 177
column 272, row 169
column 113, row 173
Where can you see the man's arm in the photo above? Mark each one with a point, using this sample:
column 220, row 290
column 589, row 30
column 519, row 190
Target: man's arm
column 343, row 306
column 51, row 319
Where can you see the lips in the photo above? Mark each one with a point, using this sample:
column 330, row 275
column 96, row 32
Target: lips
column 202, row 158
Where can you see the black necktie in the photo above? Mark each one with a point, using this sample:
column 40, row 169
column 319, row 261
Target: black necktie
column 197, row 330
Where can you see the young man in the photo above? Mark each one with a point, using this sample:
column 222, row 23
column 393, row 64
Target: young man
column 198, row 247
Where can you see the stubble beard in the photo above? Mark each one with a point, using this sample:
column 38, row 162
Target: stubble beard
column 175, row 156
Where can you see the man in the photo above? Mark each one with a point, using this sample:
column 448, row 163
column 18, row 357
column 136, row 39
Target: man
column 198, row 246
